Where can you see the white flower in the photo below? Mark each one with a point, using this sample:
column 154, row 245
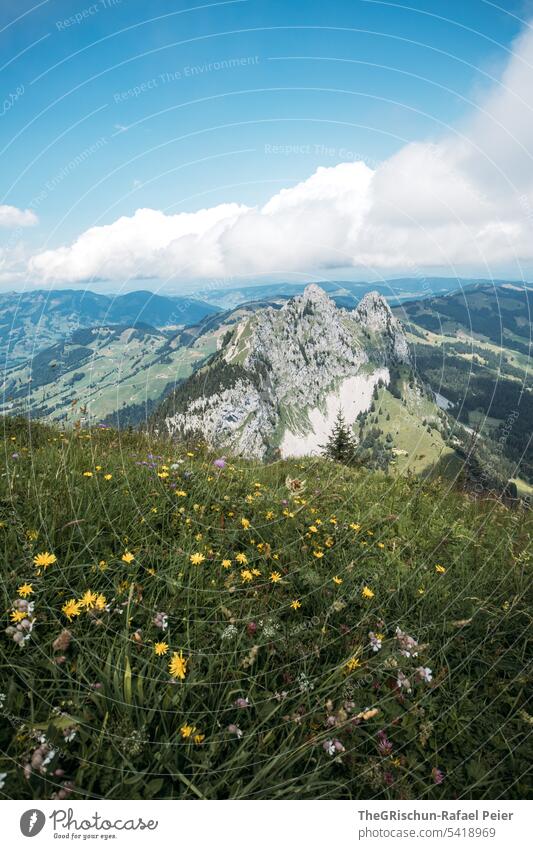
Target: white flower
column 3, row 776
column 229, row 633
column 425, row 673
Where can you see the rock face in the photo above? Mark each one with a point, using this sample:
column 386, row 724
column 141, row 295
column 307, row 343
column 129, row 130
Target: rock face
column 279, row 379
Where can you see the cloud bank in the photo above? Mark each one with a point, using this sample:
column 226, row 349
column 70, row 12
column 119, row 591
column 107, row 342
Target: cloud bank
column 11, row 217
column 465, row 200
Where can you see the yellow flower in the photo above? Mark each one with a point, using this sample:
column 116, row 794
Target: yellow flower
column 187, row 731
column 107, row 477
column 98, row 468
column 44, row 559
column 275, row 577
column 71, row 608
column 241, row 558
column 246, row 576
column 269, row 514
column 226, row 563
column 245, row 523
column 25, row 590
column 440, row 569
column 421, row 591
column 102, row 565
column 162, row 475
column 199, row 739
column 18, row 615
column 87, row 474
column 88, row 599
column 181, row 493
column 296, row 604
column 366, row 592
column 197, row 558
column 178, row 666
column 329, row 542
column 127, row 557
column 355, row 526
column 353, row 664
column 318, row 554
column 313, row 529
column 100, row 602
column 337, row 580
column 381, row 545
column 160, row 648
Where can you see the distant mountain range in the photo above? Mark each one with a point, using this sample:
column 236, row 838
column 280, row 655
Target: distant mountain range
column 265, row 377
column 31, row 321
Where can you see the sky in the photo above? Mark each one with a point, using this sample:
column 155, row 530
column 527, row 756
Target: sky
column 177, row 145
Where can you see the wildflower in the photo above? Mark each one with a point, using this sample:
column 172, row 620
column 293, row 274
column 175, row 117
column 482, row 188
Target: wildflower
column 408, row 644
column 294, row 485
column 127, row 557
column 313, row 529
column 384, row 744
column 197, row 558
column 318, row 554
column 241, row 703
column 246, row 576
column 71, row 609
column 88, row 599
column 87, row 474
column 403, row 682
column 425, row 674
column 245, row 523
column 437, row 775
column 199, row 739
column 100, row 602
column 102, row 565
column 421, row 591
column 162, row 475
column 181, row 493
column 296, row 604
column 275, row 577
column 187, row 731
column 366, row 592
column 178, row 666
column 241, row 558
column 160, row 620
column 269, row 514
column 337, row 580
column 355, row 526
column 376, row 640
column 160, row 648
column 107, row 477
column 226, row 563
column 234, row 729
column 440, row 569
column 45, row 559
column 17, row 615
column 229, row 633
column 25, row 590
column 333, row 747
column 220, row 463
column 353, row 664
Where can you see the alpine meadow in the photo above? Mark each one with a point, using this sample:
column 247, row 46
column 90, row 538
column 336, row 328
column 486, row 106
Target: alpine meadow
column 266, row 419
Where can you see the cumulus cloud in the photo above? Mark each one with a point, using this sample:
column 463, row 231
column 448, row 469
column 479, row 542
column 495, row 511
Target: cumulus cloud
column 11, row 216
column 465, row 200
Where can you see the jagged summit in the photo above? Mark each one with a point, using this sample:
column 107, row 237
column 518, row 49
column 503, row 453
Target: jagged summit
column 280, row 377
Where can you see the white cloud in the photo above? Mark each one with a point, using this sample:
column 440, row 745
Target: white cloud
column 465, row 200
column 11, row 216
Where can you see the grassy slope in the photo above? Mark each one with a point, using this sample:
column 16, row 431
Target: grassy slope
column 471, row 622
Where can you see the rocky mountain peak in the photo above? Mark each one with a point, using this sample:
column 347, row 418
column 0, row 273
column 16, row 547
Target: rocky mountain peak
column 281, row 376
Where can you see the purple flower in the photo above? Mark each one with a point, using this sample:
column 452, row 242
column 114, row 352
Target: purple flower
column 241, row 703
column 437, row 775
column 220, row 463
column 384, row 744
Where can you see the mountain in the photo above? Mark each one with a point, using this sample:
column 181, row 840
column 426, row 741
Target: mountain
column 345, row 293
column 281, row 375
column 474, row 348
column 31, row 321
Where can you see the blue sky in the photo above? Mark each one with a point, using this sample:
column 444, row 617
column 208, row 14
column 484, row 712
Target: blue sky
column 115, row 105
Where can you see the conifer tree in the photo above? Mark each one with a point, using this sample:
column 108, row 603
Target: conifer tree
column 341, row 445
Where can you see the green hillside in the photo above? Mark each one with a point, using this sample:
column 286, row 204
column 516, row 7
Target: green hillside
column 180, row 629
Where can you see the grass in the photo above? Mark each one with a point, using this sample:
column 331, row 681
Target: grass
column 283, row 695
